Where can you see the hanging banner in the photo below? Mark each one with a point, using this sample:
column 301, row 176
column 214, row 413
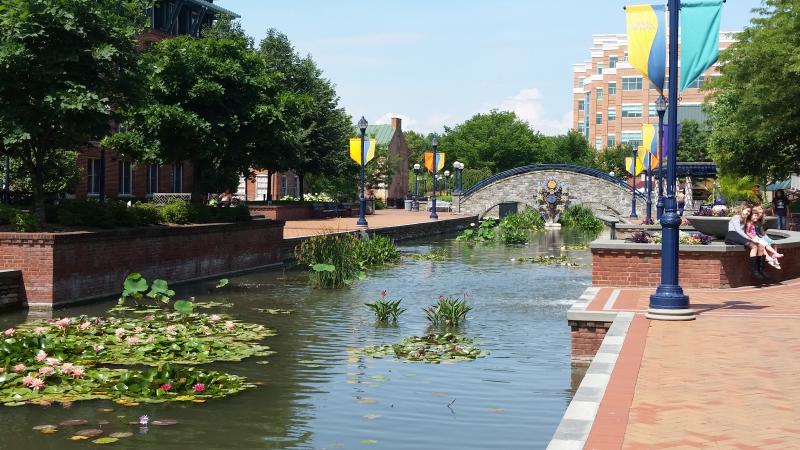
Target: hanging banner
column 650, row 138
column 647, row 42
column 699, row 38
column 634, row 166
column 429, row 161
column 646, row 158
column 665, row 144
column 367, row 153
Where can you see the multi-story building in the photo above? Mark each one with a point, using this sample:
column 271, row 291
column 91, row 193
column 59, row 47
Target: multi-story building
column 611, row 100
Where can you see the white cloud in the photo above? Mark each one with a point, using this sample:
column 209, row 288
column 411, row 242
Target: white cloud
column 527, row 104
column 408, row 122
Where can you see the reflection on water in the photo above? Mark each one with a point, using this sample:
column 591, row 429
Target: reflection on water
column 318, row 392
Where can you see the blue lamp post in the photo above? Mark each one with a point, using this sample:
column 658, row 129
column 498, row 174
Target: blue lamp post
column 415, row 203
column 435, row 144
column 661, row 108
column 633, row 184
column 362, row 208
column 649, row 180
column 669, row 302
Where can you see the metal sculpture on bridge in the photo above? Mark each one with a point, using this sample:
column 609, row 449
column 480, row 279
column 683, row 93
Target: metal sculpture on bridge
column 553, row 198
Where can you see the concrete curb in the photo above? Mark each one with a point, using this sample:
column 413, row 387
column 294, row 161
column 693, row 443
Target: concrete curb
column 573, row 431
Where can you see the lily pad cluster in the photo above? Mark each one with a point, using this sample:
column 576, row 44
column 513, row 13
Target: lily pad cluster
column 431, row 348
column 548, row 260
column 72, row 359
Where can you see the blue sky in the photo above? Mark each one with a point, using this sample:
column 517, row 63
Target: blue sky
column 439, row 62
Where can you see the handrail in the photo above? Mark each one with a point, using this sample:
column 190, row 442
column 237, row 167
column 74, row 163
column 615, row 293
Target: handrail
column 542, row 167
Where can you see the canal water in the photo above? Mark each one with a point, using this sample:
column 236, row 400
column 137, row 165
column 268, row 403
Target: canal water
column 319, row 393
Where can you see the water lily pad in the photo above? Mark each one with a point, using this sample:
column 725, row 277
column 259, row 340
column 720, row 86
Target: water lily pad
column 105, row 440
column 164, row 422
column 105, row 410
column 74, row 422
column 372, row 416
column 90, row 433
column 379, row 377
column 78, row 437
column 369, row 441
column 366, row 401
column 46, row 429
column 121, row 434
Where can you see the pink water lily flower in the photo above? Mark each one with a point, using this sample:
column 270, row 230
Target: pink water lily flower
column 36, row 384
column 120, row 332
column 52, row 361
column 9, row 332
column 199, row 387
column 137, row 329
column 84, row 326
column 66, row 368
column 214, row 318
column 144, row 420
column 39, row 331
column 97, row 348
column 19, row 368
column 383, row 293
column 171, row 329
column 46, row 371
column 78, row 372
column 132, row 340
column 27, row 380
column 166, row 387
column 229, row 325
column 41, row 356
column 62, row 323
column 149, row 317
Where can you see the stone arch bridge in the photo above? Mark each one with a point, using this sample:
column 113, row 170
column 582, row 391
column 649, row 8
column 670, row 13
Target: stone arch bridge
column 604, row 194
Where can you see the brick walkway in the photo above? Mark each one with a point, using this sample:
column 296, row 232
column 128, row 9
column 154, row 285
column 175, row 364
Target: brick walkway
column 381, row 219
column 728, row 380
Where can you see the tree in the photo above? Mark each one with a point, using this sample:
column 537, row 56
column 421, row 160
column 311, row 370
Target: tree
column 497, row 141
column 61, row 173
column 612, row 159
column 693, row 142
column 570, row 148
column 321, row 127
column 203, row 95
column 755, row 106
column 64, row 66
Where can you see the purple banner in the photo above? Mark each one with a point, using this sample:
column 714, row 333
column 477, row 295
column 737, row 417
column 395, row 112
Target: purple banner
column 665, row 147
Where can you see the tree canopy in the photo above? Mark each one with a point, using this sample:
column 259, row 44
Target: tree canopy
column 693, row 142
column 755, row 106
column 64, row 66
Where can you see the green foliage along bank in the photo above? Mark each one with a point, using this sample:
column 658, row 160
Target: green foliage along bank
column 578, row 217
column 338, row 259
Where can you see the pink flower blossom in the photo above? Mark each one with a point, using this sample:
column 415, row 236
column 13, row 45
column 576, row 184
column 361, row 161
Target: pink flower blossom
column 78, row 372
column 137, row 330
column 27, row 380
column 199, row 387
column 19, row 368
column 229, row 325
column 119, row 332
column 84, row 326
column 150, row 339
column 205, row 330
column 36, row 384
column 132, row 340
column 39, row 331
column 46, row 371
column 383, row 293
column 9, row 332
column 149, row 317
column 41, row 356
column 214, row 318
column 459, row 348
column 52, row 361
column 171, row 329
column 144, row 420
column 97, row 348
column 260, row 328
column 166, row 387
column 62, row 323
column 66, row 368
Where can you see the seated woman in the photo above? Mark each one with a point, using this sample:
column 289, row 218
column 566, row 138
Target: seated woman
column 737, row 236
column 755, row 228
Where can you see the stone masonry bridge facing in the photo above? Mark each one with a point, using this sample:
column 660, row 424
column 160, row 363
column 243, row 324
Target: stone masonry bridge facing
column 604, row 194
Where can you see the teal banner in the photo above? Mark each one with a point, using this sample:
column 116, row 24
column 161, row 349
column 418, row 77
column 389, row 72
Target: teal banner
column 699, row 38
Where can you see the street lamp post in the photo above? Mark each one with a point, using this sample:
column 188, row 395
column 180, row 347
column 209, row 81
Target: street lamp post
column 633, row 184
column 446, row 182
column 415, row 203
column 661, row 107
column 362, row 207
column 649, row 180
column 669, row 302
column 458, row 166
column 435, row 144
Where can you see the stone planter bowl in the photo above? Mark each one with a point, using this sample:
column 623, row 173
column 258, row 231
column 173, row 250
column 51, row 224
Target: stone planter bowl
column 718, row 226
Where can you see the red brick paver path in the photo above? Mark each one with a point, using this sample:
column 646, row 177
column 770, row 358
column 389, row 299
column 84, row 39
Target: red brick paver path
column 728, row 380
column 381, row 219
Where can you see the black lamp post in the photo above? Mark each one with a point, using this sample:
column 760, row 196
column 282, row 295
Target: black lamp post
column 661, row 107
column 458, row 166
column 415, row 203
column 633, row 184
column 362, row 208
column 669, row 302
column 435, row 144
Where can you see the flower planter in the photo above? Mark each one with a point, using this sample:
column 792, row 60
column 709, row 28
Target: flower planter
column 718, row 226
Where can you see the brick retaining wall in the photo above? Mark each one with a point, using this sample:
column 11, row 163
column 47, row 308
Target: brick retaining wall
column 587, row 337
column 11, row 289
column 282, row 212
column 59, row 268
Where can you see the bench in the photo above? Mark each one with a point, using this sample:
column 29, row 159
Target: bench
column 328, row 210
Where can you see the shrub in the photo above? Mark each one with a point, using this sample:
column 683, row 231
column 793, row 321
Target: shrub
column 93, row 213
column 379, row 204
column 640, row 237
column 22, row 221
column 146, row 213
column 377, row 251
column 581, row 218
column 528, row 219
column 7, row 215
column 176, row 211
column 240, row 213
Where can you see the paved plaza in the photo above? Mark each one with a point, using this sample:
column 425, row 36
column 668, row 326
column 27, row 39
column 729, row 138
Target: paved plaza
column 383, row 218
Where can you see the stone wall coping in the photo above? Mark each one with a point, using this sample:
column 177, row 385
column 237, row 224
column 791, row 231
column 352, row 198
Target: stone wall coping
column 136, row 232
column 786, row 239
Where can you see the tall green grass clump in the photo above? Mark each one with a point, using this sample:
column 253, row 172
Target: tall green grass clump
column 528, row 219
column 581, row 218
column 376, row 251
column 333, row 259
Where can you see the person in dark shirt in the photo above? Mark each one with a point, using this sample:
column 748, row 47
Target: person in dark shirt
column 780, row 206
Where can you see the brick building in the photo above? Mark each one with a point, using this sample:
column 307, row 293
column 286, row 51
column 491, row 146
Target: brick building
column 611, row 100
column 104, row 172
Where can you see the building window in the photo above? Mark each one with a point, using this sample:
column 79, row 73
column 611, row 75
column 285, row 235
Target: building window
column 698, row 83
column 262, row 186
column 580, row 105
column 241, row 189
column 651, row 110
column 598, row 118
column 581, row 125
column 631, row 83
column 612, row 63
column 124, row 180
column 296, row 186
column 612, row 114
column 612, row 88
column 177, row 178
column 152, row 179
column 93, row 176
column 284, row 186
column 599, row 93
column 598, row 143
column 581, row 82
column 611, row 141
column 599, row 68
column 631, row 111
column 625, row 57
column 632, row 138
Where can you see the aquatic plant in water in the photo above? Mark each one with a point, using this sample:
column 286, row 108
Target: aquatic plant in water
column 581, row 218
column 436, row 254
column 385, row 309
column 376, row 251
column 548, row 260
column 448, row 311
column 431, row 348
column 338, row 259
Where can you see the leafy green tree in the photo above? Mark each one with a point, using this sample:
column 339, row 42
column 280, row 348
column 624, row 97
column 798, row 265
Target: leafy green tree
column 418, row 144
column 64, row 66
column 570, row 148
column 61, row 173
column 755, row 103
column 203, row 96
column 321, row 128
column 497, row 141
column 612, row 159
column 693, row 143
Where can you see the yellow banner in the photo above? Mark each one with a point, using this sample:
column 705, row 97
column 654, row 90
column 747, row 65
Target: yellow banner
column 369, row 149
column 630, row 166
column 429, row 161
column 645, row 157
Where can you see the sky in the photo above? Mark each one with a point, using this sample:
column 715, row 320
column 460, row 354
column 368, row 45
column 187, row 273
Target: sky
column 436, row 63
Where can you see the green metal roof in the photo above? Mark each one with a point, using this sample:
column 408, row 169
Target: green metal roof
column 382, row 133
column 215, row 8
